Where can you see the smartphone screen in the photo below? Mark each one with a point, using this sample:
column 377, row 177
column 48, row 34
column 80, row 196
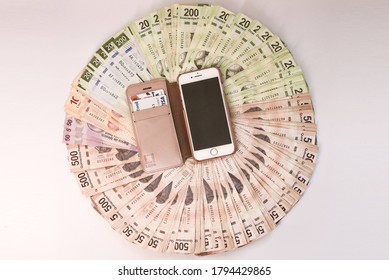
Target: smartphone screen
column 206, row 114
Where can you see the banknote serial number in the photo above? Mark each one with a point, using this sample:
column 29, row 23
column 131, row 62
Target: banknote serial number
column 241, row 270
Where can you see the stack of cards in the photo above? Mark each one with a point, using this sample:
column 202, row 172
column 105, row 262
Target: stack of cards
column 148, row 100
column 202, row 207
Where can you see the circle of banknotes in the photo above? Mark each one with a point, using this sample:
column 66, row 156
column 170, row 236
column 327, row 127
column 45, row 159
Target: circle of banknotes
column 201, row 207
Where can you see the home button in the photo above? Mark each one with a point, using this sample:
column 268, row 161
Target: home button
column 214, row 152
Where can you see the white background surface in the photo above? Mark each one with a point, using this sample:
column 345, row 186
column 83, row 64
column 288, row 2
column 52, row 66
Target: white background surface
column 342, row 47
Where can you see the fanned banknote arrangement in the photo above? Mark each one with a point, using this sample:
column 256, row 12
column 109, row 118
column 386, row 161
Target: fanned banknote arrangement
column 202, row 207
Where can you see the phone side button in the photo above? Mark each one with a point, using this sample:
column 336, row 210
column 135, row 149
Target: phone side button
column 214, row 152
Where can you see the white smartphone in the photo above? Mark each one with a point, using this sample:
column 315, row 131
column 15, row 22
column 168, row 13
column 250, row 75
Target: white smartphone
column 206, row 114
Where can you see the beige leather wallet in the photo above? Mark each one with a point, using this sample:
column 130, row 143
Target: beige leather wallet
column 160, row 131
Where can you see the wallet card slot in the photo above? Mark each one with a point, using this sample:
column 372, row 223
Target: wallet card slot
column 151, row 113
column 158, row 143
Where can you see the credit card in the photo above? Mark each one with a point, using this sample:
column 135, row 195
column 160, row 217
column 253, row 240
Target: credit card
column 149, row 102
column 158, row 92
